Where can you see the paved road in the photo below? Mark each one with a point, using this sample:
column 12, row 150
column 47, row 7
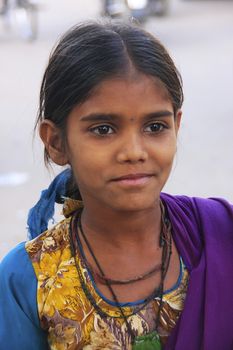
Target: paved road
column 199, row 35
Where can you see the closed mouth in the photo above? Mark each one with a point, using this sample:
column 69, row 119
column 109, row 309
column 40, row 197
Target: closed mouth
column 132, row 177
column 133, row 180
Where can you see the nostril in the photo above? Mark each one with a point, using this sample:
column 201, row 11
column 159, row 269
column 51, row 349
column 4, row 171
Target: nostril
column 132, row 156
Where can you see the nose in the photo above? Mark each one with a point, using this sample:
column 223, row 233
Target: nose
column 132, row 149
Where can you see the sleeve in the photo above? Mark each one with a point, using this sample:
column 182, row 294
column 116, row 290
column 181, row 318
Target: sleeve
column 19, row 321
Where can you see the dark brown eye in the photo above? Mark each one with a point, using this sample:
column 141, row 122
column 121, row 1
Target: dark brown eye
column 155, row 127
column 102, row 130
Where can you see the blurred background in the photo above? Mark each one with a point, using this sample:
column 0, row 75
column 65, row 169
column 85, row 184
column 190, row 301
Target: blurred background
column 199, row 36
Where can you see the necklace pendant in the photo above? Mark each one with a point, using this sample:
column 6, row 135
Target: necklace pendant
column 150, row 341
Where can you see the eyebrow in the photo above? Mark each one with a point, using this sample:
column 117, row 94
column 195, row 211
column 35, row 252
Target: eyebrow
column 159, row 114
column 96, row 117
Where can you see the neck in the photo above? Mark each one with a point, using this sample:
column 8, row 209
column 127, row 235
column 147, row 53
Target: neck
column 122, row 229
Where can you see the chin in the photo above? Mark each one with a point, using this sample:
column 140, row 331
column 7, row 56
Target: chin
column 133, row 205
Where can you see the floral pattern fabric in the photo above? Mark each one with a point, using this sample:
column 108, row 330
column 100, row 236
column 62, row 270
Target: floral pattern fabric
column 68, row 316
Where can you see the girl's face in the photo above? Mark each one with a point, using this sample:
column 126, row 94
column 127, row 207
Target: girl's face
column 121, row 143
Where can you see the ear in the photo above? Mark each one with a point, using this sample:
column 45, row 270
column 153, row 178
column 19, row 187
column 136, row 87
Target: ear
column 178, row 120
column 52, row 139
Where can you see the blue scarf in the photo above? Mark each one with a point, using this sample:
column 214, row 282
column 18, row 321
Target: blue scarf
column 43, row 211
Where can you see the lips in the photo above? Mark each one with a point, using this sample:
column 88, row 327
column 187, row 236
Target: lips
column 133, row 179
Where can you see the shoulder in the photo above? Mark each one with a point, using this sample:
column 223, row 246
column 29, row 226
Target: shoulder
column 16, row 265
column 18, row 283
column 199, row 225
column 217, row 209
column 51, row 240
column 19, row 322
column 48, row 249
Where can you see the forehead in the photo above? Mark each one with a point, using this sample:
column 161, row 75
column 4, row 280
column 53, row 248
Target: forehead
column 134, row 84
column 138, row 94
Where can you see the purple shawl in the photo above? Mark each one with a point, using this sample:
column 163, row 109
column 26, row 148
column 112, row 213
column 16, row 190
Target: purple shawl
column 203, row 234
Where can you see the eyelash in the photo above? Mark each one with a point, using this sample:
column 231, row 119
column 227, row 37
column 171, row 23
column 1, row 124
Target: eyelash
column 94, row 130
column 161, row 126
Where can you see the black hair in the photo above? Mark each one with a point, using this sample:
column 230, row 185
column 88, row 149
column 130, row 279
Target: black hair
column 92, row 52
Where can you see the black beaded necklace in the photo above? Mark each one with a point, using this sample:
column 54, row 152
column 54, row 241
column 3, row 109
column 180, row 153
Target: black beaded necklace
column 148, row 341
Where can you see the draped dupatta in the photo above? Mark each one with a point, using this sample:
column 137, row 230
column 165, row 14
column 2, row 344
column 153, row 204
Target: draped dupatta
column 203, row 234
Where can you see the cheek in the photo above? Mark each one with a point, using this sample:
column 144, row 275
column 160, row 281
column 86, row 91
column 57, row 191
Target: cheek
column 86, row 162
column 165, row 151
column 171, row 154
column 172, row 150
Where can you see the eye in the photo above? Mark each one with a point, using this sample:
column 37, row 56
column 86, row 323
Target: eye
column 102, row 130
column 155, row 127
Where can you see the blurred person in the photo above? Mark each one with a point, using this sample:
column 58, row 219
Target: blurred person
column 139, row 10
column 129, row 267
column 3, row 6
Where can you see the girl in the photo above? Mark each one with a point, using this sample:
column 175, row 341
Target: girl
column 129, row 267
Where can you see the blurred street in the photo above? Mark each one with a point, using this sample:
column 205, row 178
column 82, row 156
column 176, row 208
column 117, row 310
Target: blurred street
column 199, row 36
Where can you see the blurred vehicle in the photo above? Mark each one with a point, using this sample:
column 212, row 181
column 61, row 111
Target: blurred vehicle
column 138, row 9
column 20, row 16
column 159, row 7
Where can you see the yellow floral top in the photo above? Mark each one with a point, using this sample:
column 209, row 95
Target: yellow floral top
column 68, row 316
